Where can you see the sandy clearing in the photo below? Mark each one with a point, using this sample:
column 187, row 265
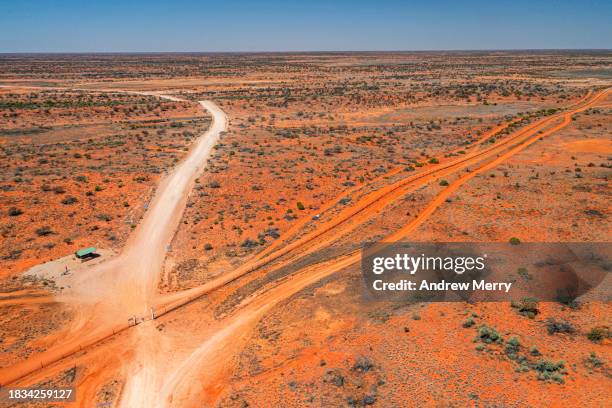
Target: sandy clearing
column 602, row 147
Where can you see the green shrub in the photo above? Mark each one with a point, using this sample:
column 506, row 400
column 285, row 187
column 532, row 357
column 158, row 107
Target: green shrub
column 468, row 323
column 488, row 334
column 514, row 241
column 363, row 364
column 14, row 211
column 595, row 361
column 104, row 217
column 527, row 307
column 555, row 326
column 549, row 370
column 513, row 342
column 44, row 231
column 69, row 200
column 512, row 347
column 524, row 273
column 598, row 333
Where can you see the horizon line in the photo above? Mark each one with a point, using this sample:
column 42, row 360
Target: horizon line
column 298, row 51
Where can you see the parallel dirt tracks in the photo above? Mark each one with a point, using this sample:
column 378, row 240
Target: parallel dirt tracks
column 366, row 208
column 377, row 196
column 212, row 356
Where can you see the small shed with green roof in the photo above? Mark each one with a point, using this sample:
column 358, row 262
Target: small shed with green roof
column 86, row 253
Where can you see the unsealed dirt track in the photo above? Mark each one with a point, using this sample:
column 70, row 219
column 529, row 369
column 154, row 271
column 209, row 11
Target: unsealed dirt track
column 372, row 203
column 187, row 384
column 124, row 286
column 254, row 308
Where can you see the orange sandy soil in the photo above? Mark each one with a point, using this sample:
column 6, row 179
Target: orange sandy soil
column 326, row 345
column 79, row 167
column 77, row 170
column 312, row 350
column 344, row 121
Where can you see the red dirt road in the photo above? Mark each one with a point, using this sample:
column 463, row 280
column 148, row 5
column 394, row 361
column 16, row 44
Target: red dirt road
column 226, row 341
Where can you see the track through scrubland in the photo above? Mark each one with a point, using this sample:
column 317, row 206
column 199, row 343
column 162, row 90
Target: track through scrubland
column 186, row 384
column 124, row 286
column 367, row 207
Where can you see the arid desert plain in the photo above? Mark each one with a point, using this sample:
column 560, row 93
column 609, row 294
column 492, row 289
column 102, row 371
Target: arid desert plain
column 228, row 196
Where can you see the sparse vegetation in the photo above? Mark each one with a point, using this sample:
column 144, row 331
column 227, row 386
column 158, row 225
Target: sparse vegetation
column 44, row 231
column 598, row 333
column 514, row 241
column 14, row 211
column 308, row 130
column 488, row 335
column 526, row 307
column 555, row 326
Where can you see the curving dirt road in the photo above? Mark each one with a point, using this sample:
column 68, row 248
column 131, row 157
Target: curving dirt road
column 122, row 287
column 134, row 273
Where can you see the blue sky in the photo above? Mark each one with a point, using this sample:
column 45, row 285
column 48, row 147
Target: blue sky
column 307, row 25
